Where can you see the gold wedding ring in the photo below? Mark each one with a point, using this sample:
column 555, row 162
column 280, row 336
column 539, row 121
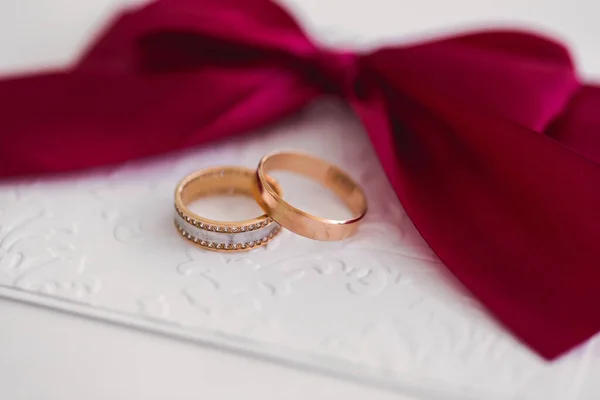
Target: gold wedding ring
column 298, row 221
column 219, row 235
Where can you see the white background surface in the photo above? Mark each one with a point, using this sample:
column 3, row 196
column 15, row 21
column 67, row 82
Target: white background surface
column 47, row 355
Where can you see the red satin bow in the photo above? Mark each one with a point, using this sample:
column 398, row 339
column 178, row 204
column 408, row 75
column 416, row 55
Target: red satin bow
column 489, row 140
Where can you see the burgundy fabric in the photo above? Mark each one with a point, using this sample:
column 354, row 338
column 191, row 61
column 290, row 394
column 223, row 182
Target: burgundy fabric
column 489, row 139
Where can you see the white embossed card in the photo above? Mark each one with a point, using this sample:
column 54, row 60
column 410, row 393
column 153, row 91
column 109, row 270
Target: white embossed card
column 378, row 307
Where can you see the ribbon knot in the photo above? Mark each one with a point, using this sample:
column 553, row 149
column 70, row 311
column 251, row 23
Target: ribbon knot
column 338, row 71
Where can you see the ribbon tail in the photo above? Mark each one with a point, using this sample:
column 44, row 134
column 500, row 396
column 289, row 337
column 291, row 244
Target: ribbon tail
column 67, row 121
column 513, row 214
column 494, row 157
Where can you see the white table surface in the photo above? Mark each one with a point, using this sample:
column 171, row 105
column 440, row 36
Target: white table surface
column 50, row 355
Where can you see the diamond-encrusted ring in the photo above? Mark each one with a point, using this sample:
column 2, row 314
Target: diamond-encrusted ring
column 219, row 235
column 301, row 222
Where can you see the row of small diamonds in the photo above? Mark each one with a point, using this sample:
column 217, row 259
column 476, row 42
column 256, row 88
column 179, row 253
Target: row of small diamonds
column 225, row 229
column 225, row 237
column 230, row 246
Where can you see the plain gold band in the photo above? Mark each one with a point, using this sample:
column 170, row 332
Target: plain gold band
column 297, row 220
column 220, row 235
